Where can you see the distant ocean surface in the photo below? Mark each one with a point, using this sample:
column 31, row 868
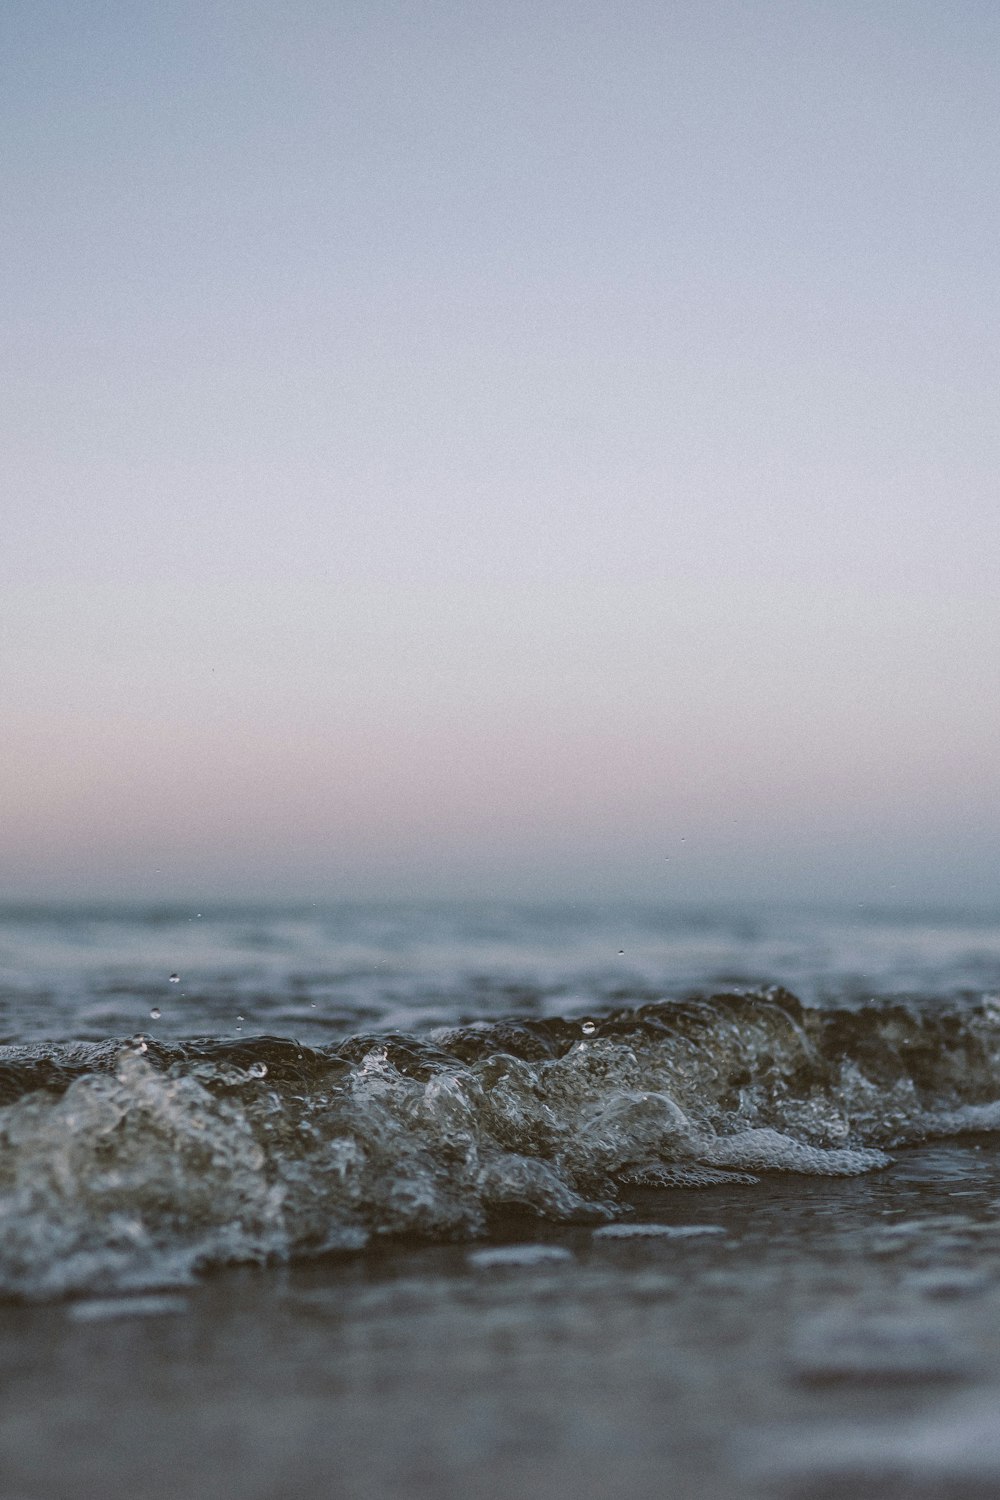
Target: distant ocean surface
column 185, row 1087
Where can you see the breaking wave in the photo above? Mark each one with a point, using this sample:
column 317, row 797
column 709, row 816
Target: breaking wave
column 135, row 1164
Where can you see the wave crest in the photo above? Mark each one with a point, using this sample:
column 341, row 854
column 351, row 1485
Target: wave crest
column 128, row 1165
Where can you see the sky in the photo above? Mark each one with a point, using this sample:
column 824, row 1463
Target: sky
column 519, row 450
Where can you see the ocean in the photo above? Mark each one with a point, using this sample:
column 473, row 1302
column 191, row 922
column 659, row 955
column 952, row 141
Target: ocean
column 448, row 1199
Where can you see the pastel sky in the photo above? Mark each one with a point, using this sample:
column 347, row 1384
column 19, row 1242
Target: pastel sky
column 543, row 448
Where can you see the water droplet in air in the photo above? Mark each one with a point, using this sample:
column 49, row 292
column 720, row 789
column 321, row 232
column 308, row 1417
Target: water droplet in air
column 588, row 1028
column 239, row 1018
column 621, row 951
column 175, row 979
column 257, row 1070
column 155, row 1013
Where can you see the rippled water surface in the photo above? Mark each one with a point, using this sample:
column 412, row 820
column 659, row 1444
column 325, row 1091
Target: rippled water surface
column 318, row 973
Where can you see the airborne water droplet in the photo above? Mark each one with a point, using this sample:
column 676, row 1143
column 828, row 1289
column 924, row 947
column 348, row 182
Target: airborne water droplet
column 588, row 1028
column 155, row 1013
column 175, row 979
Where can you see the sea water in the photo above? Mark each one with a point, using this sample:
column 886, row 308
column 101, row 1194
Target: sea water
column 528, row 1199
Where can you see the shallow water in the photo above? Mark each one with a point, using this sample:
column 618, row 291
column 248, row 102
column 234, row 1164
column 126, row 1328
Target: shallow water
column 510, row 1211
column 835, row 1337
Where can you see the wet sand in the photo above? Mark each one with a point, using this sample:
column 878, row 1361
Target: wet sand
column 838, row 1338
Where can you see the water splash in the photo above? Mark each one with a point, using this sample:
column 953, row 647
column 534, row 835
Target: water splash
column 130, row 1166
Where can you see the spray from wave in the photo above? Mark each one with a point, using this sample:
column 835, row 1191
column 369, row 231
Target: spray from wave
column 127, row 1165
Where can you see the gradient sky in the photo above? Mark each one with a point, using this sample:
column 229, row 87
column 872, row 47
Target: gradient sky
column 512, row 449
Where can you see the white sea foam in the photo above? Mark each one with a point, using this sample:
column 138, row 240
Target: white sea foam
column 107, row 1309
column 654, row 1231
column 518, row 1255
